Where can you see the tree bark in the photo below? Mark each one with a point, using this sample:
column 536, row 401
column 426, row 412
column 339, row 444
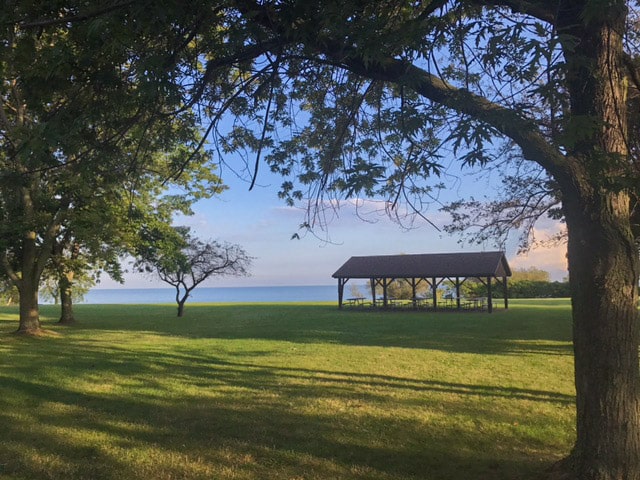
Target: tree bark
column 603, row 268
column 66, row 301
column 28, row 284
column 602, row 254
column 593, row 170
column 29, row 309
column 181, row 307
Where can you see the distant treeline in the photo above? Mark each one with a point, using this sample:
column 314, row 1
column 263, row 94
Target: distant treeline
column 474, row 288
column 526, row 289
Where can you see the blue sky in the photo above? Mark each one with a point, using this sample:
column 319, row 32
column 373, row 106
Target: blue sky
column 261, row 222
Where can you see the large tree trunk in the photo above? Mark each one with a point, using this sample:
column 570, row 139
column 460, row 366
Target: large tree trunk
column 66, row 303
column 603, row 258
column 603, row 267
column 29, row 310
column 28, row 284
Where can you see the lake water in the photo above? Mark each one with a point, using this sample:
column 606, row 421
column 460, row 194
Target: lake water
column 315, row 293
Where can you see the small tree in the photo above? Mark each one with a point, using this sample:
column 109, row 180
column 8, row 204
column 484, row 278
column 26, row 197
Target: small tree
column 532, row 274
column 77, row 285
column 355, row 291
column 8, row 292
column 401, row 289
column 185, row 262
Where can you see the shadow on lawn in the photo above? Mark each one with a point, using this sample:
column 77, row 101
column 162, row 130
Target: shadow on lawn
column 248, row 419
column 518, row 331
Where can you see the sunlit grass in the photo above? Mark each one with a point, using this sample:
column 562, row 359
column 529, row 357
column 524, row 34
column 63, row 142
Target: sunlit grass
column 287, row 392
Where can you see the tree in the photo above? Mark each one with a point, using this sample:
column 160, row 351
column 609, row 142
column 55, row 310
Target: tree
column 77, row 285
column 84, row 122
column 530, row 274
column 184, row 262
column 527, row 194
column 81, row 251
column 401, row 289
column 388, row 87
column 73, row 269
column 535, row 289
column 357, row 98
column 8, row 292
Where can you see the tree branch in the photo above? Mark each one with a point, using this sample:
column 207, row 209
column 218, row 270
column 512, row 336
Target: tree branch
column 632, row 70
column 46, row 22
column 544, row 10
column 524, row 132
column 49, row 236
column 8, row 269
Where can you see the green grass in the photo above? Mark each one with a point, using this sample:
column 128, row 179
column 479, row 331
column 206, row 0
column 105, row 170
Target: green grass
column 287, row 392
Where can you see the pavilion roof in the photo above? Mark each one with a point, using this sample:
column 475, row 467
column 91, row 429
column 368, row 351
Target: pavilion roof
column 426, row 265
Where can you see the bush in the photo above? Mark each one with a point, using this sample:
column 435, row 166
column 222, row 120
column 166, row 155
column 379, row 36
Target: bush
column 535, row 289
column 519, row 289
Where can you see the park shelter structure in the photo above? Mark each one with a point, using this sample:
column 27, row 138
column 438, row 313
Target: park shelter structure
column 432, row 268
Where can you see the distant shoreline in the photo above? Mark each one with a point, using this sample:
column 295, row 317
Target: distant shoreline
column 275, row 294
column 216, row 287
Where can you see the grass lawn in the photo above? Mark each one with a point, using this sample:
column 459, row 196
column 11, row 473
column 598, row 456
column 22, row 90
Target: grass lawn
column 287, row 392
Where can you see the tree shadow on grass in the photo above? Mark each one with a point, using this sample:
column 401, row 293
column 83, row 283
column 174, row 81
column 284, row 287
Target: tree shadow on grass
column 254, row 420
column 246, row 419
column 521, row 331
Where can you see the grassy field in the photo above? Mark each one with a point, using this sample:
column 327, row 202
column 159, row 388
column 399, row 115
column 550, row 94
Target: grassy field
column 287, row 392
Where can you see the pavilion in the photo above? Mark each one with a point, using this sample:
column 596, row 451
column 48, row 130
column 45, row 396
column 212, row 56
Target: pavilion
column 431, row 268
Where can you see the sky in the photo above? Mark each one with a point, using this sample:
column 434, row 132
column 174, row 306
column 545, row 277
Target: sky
column 263, row 225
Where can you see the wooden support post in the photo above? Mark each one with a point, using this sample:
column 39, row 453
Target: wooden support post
column 489, row 300
column 341, row 282
column 458, row 292
column 385, row 298
column 372, row 282
column 434, row 288
column 413, row 293
column 506, row 293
